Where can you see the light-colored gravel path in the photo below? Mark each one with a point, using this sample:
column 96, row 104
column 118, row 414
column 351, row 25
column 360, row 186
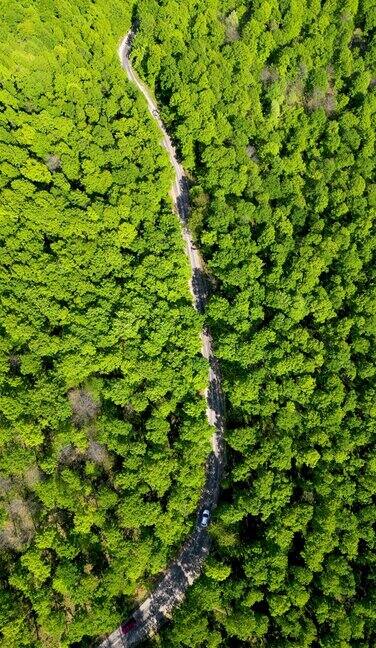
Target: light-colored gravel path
column 184, row 570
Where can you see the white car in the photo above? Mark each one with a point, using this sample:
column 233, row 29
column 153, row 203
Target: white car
column 155, row 113
column 205, row 517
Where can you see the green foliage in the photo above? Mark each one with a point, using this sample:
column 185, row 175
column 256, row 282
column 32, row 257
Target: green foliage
column 103, row 432
column 272, row 105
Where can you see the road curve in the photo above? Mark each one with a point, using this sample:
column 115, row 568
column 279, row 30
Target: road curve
column 158, row 606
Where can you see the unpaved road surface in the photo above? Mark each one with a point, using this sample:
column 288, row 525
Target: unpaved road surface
column 184, row 570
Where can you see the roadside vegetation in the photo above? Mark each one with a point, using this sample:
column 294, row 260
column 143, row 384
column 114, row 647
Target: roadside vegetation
column 103, row 434
column 272, row 105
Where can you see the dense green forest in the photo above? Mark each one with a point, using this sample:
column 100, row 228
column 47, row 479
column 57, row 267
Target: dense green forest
column 271, row 104
column 103, row 427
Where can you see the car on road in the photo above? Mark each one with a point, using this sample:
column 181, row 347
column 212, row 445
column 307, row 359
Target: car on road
column 127, row 626
column 205, row 517
column 155, row 112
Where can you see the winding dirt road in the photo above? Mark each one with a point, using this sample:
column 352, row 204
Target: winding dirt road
column 153, row 612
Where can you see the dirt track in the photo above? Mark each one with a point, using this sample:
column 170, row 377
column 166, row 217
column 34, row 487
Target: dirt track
column 184, row 570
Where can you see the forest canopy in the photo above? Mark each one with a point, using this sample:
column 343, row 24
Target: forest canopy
column 272, row 106
column 103, row 434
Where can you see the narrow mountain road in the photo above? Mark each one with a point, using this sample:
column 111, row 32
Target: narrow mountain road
column 151, row 614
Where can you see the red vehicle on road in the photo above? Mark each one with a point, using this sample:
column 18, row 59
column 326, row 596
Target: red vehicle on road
column 127, row 626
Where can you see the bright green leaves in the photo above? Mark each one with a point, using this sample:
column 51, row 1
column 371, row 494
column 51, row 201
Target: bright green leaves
column 134, row 512
column 36, row 566
column 127, row 234
column 36, row 171
column 289, row 242
column 245, row 625
column 216, row 571
column 103, row 428
column 98, row 182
